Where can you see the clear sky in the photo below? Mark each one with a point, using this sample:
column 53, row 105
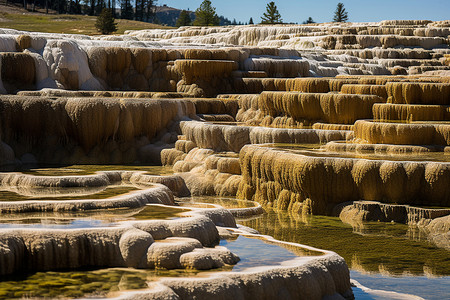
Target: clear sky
column 297, row 11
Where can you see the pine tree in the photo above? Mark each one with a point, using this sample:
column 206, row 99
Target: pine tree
column 126, row 9
column 114, row 8
column 309, row 21
column 139, row 10
column 340, row 15
column 149, row 10
column 184, row 19
column 206, row 15
column 271, row 16
column 105, row 22
column 251, row 21
column 99, row 7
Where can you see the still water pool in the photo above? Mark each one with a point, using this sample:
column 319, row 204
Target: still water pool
column 381, row 256
column 387, row 256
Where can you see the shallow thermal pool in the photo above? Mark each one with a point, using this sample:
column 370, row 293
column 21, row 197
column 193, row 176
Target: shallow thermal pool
column 107, row 282
column 42, row 194
column 89, row 283
column 99, row 218
column 315, row 151
column 225, row 202
column 387, row 256
column 50, row 170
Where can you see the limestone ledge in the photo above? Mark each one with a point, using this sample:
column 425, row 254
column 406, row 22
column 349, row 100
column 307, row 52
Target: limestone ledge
column 421, row 133
column 99, row 179
column 88, row 130
column 158, row 189
column 233, row 138
column 168, row 244
column 312, row 184
column 435, row 222
column 410, row 112
column 157, row 194
column 418, row 93
column 364, row 89
column 49, row 92
column 330, row 108
column 311, row 277
column 376, row 211
column 379, row 148
column 207, row 172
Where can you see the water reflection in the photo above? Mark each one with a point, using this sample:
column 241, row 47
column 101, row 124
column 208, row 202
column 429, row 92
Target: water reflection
column 67, row 193
column 70, row 170
column 315, row 151
column 380, row 247
column 422, row 286
column 56, row 224
column 98, row 218
column 225, row 202
column 255, row 252
column 97, row 283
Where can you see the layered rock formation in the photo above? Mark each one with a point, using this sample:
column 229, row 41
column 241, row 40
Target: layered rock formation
column 89, row 130
column 319, row 119
column 316, row 184
column 136, row 60
column 189, row 241
column 323, row 279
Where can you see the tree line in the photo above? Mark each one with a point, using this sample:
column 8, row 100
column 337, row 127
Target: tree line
column 140, row 10
column 272, row 15
column 206, row 16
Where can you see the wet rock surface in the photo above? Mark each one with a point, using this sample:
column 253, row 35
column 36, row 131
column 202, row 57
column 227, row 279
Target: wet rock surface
column 361, row 118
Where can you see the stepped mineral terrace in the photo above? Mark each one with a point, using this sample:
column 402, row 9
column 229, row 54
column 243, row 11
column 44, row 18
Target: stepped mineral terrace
column 350, row 120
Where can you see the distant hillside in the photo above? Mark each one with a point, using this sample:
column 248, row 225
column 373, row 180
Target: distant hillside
column 16, row 17
column 169, row 15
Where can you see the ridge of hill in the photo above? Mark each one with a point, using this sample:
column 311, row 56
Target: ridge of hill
column 168, row 16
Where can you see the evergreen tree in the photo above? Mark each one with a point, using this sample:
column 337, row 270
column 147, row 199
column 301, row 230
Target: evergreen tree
column 92, row 7
column 224, row 21
column 309, row 21
column 139, row 10
column 148, row 9
column 113, row 8
column 184, row 19
column 234, row 22
column 126, row 9
column 271, row 16
column 99, row 7
column 340, row 15
column 206, row 15
column 251, row 21
column 76, row 7
column 105, row 22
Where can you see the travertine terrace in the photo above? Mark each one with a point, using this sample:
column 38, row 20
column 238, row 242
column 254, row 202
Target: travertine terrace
column 338, row 119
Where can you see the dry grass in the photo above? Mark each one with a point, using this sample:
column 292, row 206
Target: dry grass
column 72, row 24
